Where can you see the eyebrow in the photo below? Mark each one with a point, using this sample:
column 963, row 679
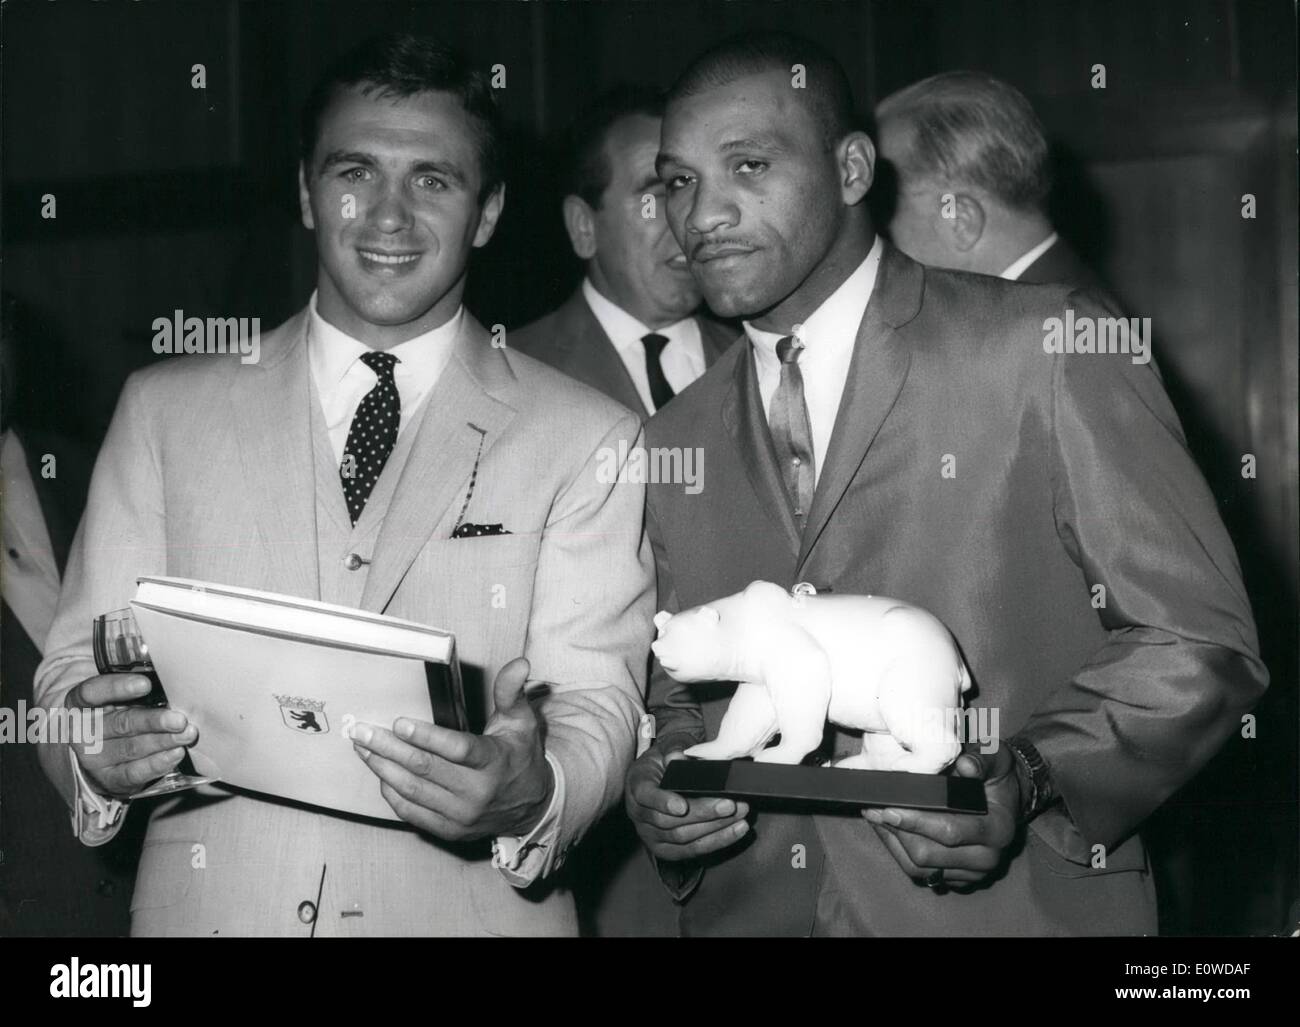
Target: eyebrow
column 760, row 142
column 770, row 143
column 367, row 160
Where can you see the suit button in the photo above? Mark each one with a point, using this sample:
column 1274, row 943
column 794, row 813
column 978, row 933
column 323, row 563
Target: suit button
column 352, row 561
column 306, row 912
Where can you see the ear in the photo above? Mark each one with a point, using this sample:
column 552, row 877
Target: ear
column 662, row 618
column 968, row 226
column 490, row 215
column 857, row 159
column 580, row 223
column 304, row 200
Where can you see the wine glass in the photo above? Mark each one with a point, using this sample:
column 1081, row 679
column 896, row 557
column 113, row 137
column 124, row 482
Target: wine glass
column 120, row 649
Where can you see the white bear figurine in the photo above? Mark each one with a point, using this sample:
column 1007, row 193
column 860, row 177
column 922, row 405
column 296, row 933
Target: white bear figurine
column 868, row 663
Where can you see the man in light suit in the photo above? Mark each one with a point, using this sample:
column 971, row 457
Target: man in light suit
column 633, row 329
column 382, row 454
column 897, row 430
column 973, row 175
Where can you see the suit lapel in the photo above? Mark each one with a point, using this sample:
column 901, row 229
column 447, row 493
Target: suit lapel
column 273, row 426
column 715, row 337
column 876, row 374
column 462, row 421
column 52, row 509
column 743, row 417
column 590, row 355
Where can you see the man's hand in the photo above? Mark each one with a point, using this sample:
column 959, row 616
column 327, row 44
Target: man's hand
column 140, row 743
column 460, row 786
column 671, row 826
column 965, row 847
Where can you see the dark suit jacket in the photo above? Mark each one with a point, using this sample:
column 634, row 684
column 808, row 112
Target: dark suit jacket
column 1070, row 472
column 50, row 884
column 1060, row 265
column 571, row 340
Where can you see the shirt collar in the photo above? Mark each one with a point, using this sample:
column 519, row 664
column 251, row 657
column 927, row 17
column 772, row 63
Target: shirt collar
column 333, row 352
column 624, row 330
column 835, row 323
column 1019, row 267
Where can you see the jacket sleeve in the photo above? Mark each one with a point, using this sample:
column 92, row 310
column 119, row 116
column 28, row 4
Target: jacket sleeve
column 678, row 719
column 590, row 629
column 121, row 537
column 1180, row 665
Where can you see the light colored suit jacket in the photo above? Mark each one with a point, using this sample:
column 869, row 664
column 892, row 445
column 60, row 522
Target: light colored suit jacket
column 1067, row 472
column 207, row 472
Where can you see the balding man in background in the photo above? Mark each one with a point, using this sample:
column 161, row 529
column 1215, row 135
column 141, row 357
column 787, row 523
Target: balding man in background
column 974, row 175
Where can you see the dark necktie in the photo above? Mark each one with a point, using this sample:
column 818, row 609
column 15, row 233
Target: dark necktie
column 372, row 434
column 660, row 391
column 792, row 431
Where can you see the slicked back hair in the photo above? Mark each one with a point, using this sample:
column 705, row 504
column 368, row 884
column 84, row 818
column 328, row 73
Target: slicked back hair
column 587, row 172
column 971, row 128
column 825, row 86
column 401, row 65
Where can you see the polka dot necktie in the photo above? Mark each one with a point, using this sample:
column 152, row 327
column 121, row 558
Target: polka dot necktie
column 372, row 435
column 792, row 431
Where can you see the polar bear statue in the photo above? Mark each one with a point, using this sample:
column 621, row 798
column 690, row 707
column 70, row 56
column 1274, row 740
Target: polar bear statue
column 867, row 663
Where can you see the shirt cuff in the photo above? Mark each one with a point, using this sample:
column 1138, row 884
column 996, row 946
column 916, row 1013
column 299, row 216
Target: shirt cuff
column 96, row 818
column 523, row 860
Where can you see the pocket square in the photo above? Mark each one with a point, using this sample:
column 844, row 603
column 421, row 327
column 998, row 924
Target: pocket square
column 477, row 530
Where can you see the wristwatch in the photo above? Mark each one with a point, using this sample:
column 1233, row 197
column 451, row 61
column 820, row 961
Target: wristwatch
column 1036, row 792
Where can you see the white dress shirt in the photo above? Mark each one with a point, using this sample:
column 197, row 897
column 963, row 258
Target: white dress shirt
column 342, row 381
column 1020, row 266
column 828, row 336
column 682, row 357
column 29, row 574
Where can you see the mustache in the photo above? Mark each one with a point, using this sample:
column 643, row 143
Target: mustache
column 708, row 249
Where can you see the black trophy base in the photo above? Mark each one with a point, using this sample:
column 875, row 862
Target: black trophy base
column 823, row 786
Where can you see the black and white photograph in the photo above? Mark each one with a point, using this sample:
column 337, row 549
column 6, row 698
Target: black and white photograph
column 649, row 469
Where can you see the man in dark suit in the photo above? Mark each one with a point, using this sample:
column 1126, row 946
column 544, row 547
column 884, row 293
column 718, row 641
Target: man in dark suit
column 630, row 330
column 903, row 431
column 972, row 170
column 50, row 884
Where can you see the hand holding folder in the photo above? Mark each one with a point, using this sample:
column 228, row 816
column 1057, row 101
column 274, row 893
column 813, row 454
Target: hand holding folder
column 275, row 685
column 461, row 786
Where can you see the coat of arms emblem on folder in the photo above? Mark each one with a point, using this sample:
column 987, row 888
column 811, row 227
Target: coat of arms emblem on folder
column 306, row 715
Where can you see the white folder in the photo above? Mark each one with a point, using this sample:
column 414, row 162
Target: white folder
column 275, row 683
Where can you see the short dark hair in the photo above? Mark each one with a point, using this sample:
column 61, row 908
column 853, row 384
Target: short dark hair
column 826, row 87
column 971, row 128
column 401, row 65
column 587, row 170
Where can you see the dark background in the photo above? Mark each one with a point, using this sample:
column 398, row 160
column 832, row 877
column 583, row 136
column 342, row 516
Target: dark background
column 171, row 197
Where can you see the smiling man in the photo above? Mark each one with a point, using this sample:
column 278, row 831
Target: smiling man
column 382, row 455
column 896, row 430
